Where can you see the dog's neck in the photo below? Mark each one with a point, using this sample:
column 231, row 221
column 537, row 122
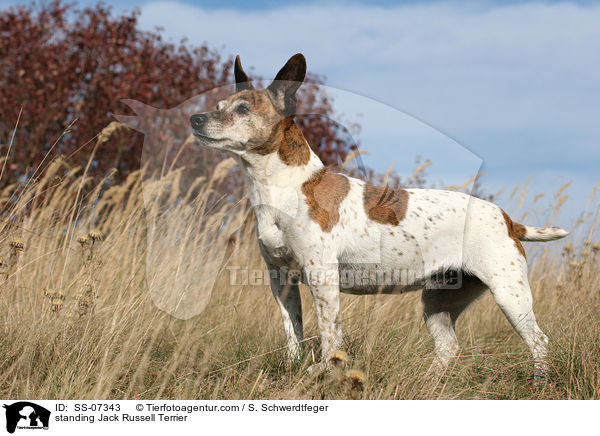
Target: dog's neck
column 285, row 160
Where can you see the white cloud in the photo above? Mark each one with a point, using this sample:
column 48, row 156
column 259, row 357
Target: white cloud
column 521, row 67
column 527, row 73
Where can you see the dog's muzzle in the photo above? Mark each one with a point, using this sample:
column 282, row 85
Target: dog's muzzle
column 198, row 122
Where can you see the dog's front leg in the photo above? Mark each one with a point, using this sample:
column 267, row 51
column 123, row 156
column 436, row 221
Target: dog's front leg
column 324, row 286
column 286, row 293
column 270, row 236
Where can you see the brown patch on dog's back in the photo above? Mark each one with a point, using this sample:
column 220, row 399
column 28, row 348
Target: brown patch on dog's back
column 516, row 231
column 324, row 193
column 385, row 205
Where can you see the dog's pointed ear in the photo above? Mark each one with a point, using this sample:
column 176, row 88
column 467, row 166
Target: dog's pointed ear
column 242, row 82
column 287, row 82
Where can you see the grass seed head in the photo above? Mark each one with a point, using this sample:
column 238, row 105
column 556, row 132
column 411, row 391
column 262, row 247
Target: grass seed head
column 17, row 244
column 356, row 378
column 96, row 235
column 56, row 304
column 339, row 358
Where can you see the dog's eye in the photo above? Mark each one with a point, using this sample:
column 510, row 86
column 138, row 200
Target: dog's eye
column 242, row 109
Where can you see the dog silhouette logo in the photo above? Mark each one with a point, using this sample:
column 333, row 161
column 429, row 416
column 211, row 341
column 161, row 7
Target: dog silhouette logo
column 26, row 415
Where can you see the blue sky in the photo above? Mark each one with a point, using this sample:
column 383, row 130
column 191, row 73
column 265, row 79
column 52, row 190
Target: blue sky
column 514, row 85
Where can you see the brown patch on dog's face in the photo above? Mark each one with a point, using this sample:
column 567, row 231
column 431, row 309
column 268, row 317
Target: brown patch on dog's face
column 258, row 121
column 248, row 121
column 516, row 231
column 324, row 193
column 241, row 122
column 385, row 205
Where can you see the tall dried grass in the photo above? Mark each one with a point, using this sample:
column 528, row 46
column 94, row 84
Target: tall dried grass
column 127, row 347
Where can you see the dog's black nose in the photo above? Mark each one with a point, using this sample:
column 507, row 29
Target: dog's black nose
column 198, row 121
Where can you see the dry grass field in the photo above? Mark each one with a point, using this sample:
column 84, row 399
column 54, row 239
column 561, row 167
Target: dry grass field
column 78, row 321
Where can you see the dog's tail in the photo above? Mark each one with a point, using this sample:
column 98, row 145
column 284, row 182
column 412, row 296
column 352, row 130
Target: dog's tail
column 528, row 233
column 542, row 233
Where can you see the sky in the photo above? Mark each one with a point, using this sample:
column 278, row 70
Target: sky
column 512, row 87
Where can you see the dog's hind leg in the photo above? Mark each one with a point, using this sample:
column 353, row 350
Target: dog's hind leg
column 515, row 300
column 287, row 294
column 507, row 279
column 441, row 309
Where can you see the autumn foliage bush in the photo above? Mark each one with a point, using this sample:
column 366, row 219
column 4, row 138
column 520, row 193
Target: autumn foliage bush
column 64, row 71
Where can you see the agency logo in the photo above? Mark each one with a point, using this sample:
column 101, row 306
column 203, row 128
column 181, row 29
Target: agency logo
column 26, row 415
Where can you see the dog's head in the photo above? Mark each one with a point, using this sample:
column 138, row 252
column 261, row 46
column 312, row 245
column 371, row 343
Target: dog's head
column 250, row 121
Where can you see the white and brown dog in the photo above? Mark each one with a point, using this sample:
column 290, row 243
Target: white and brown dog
column 339, row 232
